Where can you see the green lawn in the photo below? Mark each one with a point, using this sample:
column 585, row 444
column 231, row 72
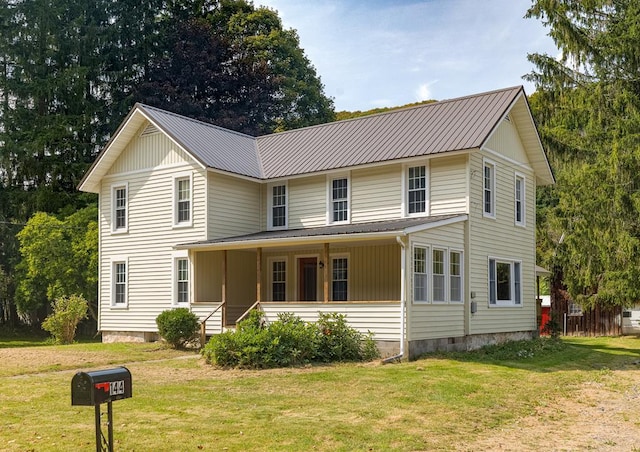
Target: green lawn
column 183, row 404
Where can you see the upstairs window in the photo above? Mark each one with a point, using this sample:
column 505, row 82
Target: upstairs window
column 340, row 200
column 519, row 200
column 505, row 287
column 489, row 190
column 120, row 217
column 417, row 190
column 278, row 211
column 339, row 279
column 182, row 201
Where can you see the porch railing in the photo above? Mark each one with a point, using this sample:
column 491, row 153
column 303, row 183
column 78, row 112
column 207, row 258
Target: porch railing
column 203, row 324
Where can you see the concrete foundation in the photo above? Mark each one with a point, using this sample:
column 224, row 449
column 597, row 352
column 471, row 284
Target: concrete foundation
column 129, row 336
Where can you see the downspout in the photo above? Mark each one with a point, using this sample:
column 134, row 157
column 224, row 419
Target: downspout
column 403, row 292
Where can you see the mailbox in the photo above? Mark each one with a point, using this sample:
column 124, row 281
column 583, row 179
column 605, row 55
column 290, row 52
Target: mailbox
column 100, row 386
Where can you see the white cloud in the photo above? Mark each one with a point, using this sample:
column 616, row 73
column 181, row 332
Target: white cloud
column 424, row 91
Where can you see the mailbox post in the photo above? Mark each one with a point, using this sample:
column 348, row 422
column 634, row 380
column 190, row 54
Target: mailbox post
column 98, row 387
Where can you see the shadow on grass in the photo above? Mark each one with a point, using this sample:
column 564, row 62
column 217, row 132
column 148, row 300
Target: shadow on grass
column 552, row 355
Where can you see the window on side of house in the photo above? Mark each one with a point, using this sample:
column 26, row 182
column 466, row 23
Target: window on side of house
column 438, row 275
column 339, row 192
column 120, row 214
column 339, row 279
column 183, row 193
column 420, row 274
column 455, row 276
column 278, row 206
column 505, row 287
column 182, row 280
column 489, row 189
column 119, row 285
column 278, row 280
column 416, row 190
column 519, row 195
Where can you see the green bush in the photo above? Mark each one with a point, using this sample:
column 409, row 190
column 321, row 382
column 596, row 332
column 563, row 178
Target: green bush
column 288, row 341
column 63, row 321
column 178, row 326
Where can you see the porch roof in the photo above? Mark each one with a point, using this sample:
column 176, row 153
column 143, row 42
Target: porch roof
column 333, row 233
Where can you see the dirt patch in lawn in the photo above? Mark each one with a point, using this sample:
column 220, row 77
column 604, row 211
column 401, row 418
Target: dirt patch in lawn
column 593, row 417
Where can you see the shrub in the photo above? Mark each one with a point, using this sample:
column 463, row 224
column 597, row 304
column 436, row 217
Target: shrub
column 178, row 326
column 289, row 341
column 340, row 342
column 63, row 321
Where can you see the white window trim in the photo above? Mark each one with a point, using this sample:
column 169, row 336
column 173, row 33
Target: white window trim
column 485, row 163
column 445, row 268
column 405, row 189
column 175, row 257
column 505, row 303
column 523, row 200
column 270, row 262
column 348, row 258
column 270, row 226
column 427, row 264
column 119, row 260
column 178, row 177
column 330, row 180
column 461, row 252
column 114, row 188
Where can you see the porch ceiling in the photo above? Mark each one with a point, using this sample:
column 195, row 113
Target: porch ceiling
column 327, row 234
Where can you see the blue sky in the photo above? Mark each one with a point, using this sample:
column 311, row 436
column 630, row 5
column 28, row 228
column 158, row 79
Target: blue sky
column 380, row 53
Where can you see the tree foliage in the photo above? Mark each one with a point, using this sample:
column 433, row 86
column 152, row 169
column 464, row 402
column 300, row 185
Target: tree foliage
column 588, row 109
column 63, row 321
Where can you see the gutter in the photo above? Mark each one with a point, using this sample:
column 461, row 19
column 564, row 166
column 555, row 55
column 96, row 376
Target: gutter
column 403, row 295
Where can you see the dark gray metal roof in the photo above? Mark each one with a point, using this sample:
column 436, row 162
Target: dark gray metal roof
column 342, row 229
column 213, row 146
column 456, row 124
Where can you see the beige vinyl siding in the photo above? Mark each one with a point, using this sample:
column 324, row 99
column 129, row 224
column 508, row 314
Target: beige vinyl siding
column 501, row 238
column 374, row 271
column 435, row 320
column 214, row 323
column 506, row 140
column 382, row 319
column 148, row 243
column 376, row 194
column 234, row 206
column 307, row 202
column 448, row 190
column 148, row 151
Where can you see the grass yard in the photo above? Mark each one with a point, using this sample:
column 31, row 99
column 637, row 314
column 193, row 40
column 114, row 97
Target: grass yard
column 583, row 394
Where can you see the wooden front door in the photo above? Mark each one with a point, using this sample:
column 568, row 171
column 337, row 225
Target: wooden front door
column 307, row 278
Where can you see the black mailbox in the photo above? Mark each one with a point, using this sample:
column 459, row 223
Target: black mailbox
column 100, row 386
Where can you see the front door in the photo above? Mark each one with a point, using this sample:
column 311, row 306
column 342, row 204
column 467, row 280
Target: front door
column 307, row 278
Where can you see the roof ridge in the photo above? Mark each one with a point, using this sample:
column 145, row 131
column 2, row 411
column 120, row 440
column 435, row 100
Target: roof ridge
column 186, row 118
column 398, row 110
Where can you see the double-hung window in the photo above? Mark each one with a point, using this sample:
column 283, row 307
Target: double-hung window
column 119, row 203
column 505, row 282
column 278, row 206
column 182, row 280
column 489, row 189
column 455, row 276
column 278, row 280
column 182, row 201
column 420, row 273
column 339, row 208
column 438, row 275
column 119, row 283
column 339, row 279
column 416, row 189
column 519, row 194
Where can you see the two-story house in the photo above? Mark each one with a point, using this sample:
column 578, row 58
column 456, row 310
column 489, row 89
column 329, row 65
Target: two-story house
column 418, row 224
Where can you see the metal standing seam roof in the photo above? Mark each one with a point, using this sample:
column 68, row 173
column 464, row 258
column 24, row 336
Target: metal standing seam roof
column 456, row 124
column 333, row 230
column 213, row 146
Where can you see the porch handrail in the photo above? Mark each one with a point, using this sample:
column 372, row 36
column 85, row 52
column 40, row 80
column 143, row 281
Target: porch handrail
column 246, row 313
column 203, row 324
